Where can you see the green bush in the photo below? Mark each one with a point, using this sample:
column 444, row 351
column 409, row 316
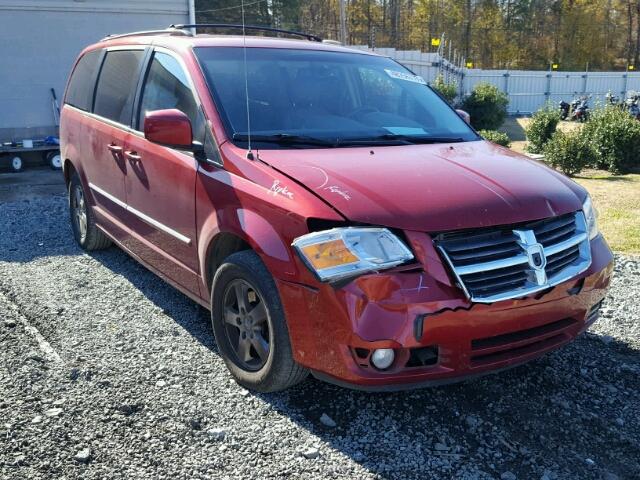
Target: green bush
column 496, row 137
column 614, row 136
column 541, row 127
column 487, row 106
column 448, row 90
column 568, row 152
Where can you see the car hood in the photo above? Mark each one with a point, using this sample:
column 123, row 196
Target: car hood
column 430, row 187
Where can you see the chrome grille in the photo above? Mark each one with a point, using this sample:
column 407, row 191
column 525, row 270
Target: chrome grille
column 499, row 263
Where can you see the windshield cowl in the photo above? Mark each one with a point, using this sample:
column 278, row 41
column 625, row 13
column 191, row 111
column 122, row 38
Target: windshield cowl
column 302, row 141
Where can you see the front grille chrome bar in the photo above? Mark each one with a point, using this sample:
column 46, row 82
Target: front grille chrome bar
column 494, row 265
column 532, row 269
column 562, row 246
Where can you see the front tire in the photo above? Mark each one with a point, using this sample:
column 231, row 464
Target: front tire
column 250, row 327
column 83, row 223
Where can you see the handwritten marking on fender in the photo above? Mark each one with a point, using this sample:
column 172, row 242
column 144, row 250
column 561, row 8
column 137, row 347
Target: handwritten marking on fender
column 326, row 177
column 276, row 189
column 342, row 193
column 419, row 287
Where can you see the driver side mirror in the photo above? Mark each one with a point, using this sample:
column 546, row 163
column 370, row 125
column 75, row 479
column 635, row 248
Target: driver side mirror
column 171, row 128
column 464, row 115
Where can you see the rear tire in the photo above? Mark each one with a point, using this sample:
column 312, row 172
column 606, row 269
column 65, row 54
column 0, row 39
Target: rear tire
column 83, row 224
column 250, row 327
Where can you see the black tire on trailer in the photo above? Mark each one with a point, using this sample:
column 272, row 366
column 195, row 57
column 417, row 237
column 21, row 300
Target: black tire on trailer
column 250, row 327
column 83, row 224
column 16, row 164
column 53, row 159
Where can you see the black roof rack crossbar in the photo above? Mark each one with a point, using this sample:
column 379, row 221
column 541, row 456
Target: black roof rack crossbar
column 168, row 31
column 308, row 36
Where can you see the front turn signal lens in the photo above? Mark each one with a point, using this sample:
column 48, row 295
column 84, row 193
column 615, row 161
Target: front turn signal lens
column 330, row 254
column 347, row 252
column 591, row 216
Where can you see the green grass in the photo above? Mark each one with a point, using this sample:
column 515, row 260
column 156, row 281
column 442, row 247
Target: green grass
column 616, row 197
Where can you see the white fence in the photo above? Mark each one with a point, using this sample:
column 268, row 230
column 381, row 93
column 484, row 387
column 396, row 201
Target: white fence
column 528, row 90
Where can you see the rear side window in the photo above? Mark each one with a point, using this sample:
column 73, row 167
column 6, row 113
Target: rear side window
column 167, row 87
column 117, row 85
column 80, row 90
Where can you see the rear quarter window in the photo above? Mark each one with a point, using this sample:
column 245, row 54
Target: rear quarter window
column 81, row 85
column 116, row 87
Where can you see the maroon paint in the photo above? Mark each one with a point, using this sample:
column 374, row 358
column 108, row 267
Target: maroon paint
column 160, row 183
column 168, row 127
column 433, row 188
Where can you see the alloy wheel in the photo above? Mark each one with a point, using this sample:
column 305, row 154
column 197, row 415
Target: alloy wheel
column 79, row 212
column 246, row 323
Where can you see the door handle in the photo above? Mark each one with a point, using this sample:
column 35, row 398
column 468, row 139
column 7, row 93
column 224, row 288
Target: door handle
column 114, row 148
column 133, row 156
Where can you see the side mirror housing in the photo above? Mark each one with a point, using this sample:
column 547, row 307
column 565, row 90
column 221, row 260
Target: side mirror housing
column 170, row 128
column 464, row 115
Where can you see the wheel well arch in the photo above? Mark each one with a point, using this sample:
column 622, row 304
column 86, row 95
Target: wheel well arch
column 67, row 169
column 221, row 246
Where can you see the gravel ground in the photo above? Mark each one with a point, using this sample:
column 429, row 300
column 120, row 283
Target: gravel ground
column 107, row 372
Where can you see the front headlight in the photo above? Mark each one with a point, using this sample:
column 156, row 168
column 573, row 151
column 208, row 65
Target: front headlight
column 591, row 216
column 347, row 252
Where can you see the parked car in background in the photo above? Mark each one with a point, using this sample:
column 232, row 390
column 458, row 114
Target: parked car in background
column 330, row 209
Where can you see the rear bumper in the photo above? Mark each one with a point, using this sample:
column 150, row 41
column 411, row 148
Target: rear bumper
column 334, row 331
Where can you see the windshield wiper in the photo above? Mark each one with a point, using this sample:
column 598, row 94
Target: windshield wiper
column 400, row 138
column 285, row 139
column 385, row 139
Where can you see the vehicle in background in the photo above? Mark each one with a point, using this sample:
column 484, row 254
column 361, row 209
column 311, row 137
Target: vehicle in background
column 565, row 108
column 580, row 109
column 631, row 104
column 612, row 99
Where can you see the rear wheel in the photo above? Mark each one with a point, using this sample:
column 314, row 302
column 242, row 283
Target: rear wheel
column 250, row 327
column 83, row 223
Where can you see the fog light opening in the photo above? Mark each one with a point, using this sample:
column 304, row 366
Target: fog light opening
column 382, row 358
column 361, row 353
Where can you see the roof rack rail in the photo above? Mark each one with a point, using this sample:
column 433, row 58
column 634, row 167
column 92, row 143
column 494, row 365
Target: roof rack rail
column 168, row 31
column 308, row 36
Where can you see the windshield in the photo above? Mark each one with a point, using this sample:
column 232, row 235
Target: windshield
column 316, row 99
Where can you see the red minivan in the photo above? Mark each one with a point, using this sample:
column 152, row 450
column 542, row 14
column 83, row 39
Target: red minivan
column 333, row 212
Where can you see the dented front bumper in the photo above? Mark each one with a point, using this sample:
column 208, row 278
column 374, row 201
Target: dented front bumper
column 438, row 335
